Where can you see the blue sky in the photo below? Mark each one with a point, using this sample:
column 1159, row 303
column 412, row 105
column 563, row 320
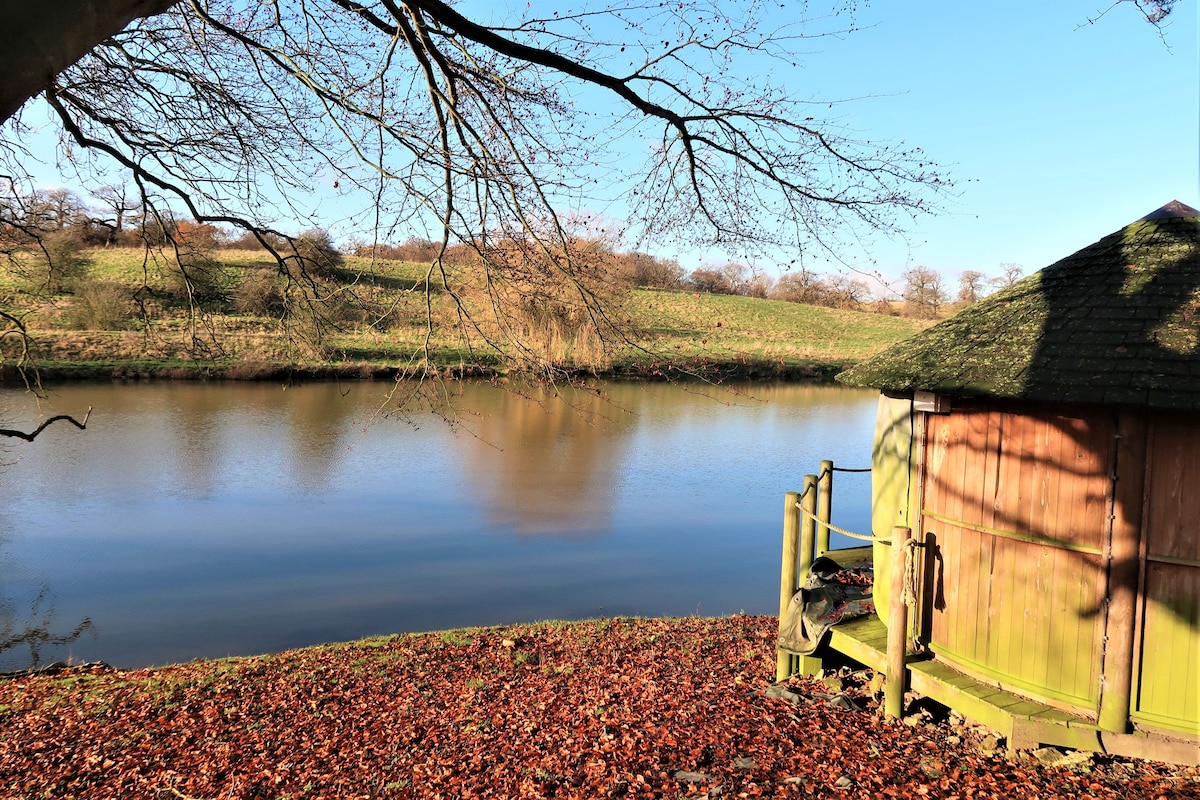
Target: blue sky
column 1056, row 131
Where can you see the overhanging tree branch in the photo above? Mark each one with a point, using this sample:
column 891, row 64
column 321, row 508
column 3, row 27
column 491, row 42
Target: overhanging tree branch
column 29, row 437
column 492, row 136
column 40, row 40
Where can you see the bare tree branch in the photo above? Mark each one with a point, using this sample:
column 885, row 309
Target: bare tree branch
column 29, row 437
column 490, row 136
column 1154, row 11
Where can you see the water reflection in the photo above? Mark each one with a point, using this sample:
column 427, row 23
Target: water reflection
column 22, row 642
column 547, row 460
column 303, row 431
column 28, row 620
column 208, row 520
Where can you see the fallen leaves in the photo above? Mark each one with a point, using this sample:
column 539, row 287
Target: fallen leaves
column 604, row 708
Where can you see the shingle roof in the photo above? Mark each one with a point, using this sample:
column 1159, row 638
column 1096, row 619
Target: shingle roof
column 1116, row 323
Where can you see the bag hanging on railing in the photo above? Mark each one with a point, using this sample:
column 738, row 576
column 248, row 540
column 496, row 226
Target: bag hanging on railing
column 820, row 604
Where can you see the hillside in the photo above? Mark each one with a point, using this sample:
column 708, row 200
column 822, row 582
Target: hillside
column 123, row 315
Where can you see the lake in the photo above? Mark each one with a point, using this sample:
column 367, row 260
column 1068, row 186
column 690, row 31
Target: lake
column 198, row 520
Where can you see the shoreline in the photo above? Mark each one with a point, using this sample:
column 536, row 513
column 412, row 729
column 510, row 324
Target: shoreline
column 822, row 373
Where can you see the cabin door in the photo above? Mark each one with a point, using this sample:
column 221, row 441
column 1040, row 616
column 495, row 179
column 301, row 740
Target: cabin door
column 1017, row 506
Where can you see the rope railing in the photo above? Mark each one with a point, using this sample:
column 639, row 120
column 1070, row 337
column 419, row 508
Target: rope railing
column 909, row 589
column 860, row 536
column 826, row 471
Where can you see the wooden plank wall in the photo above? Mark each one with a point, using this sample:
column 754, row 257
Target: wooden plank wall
column 1167, row 675
column 1019, row 506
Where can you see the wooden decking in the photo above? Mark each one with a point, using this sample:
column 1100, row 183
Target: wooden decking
column 1022, row 722
column 863, row 639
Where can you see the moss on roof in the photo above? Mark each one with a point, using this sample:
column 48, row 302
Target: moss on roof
column 1116, row 323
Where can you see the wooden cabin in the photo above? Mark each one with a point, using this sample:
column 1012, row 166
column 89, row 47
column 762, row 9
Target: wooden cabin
column 1043, row 446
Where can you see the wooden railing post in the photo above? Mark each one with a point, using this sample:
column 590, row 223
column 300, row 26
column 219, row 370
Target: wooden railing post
column 799, row 542
column 824, row 506
column 808, row 525
column 787, row 573
column 897, row 627
column 807, row 665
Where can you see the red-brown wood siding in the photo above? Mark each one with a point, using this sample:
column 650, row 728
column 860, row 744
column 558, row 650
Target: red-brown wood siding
column 1028, row 613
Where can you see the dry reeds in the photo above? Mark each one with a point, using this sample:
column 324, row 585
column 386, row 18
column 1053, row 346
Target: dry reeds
column 546, row 308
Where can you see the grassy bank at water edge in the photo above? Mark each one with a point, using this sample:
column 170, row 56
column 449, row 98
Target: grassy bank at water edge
column 129, row 316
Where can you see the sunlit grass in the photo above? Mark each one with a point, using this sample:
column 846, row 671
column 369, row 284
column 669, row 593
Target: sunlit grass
column 769, row 331
column 382, row 323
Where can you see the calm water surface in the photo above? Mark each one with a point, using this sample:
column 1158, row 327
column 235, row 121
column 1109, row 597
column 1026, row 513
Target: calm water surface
column 204, row 520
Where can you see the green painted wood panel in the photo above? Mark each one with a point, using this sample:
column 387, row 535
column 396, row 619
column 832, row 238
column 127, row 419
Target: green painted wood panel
column 892, row 472
column 1167, row 684
column 1168, row 692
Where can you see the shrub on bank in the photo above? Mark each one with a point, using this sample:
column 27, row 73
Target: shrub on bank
column 100, row 306
column 57, row 263
column 258, row 293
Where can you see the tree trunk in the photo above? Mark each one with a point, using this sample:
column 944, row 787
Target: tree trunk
column 40, row 39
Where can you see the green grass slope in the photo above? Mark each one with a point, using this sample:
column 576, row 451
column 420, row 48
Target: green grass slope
column 762, row 336
column 132, row 316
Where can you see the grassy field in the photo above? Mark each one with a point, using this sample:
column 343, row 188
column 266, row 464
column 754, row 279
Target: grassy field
column 768, row 334
column 132, row 316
